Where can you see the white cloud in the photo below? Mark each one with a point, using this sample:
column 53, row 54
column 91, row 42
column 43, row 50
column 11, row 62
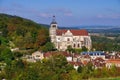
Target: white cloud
column 112, row 16
column 45, row 15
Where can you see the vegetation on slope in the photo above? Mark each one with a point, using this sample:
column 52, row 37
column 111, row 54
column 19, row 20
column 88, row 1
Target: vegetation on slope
column 105, row 44
column 23, row 33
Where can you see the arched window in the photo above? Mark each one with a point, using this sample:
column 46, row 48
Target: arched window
column 74, row 45
column 68, row 39
column 78, row 45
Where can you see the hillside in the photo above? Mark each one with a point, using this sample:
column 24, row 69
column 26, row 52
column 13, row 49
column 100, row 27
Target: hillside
column 18, row 32
column 23, row 33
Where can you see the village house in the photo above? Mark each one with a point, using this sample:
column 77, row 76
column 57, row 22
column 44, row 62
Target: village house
column 95, row 54
column 76, row 64
column 98, row 63
column 112, row 55
column 85, row 58
column 112, row 62
column 28, row 58
column 37, row 55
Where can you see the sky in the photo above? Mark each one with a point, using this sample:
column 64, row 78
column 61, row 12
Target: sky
column 68, row 12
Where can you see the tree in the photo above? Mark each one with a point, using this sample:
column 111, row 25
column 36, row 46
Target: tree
column 55, row 68
column 17, row 54
column 78, row 50
column 29, row 74
column 6, row 55
column 15, row 69
column 84, row 48
column 70, row 49
column 48, row 47
column 41, row 37
column 80, row 69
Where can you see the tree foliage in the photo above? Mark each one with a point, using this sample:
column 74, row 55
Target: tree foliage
column 23, row 33
column 48, row 47
column 105, row 44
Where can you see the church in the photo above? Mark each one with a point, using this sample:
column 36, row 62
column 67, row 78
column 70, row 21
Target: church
column 62, row 38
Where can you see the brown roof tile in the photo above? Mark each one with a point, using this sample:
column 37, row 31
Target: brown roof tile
column 113, row 61
column 73, row 31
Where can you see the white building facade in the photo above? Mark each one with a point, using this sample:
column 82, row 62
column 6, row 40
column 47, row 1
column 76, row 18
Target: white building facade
column 62, row 38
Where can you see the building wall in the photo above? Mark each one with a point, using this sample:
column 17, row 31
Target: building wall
column 61, row 42
column 68, row 39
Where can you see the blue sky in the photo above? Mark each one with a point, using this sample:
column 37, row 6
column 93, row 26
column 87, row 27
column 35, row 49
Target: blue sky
column 67, row 12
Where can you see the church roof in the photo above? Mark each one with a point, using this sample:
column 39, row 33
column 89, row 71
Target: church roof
column 81, row 32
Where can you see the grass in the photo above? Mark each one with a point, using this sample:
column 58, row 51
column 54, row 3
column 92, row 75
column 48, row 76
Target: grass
column 111, row 78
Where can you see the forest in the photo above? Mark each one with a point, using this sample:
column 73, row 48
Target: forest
column 23, row 33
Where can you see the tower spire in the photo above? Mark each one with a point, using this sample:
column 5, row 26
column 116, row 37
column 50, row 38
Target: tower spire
column 53, row 20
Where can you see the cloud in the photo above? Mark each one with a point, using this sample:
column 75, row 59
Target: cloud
column 3, row 9
column 59, row 11
column 64, row 11
column 44, row 15
column 68, row 14
column 112, row 10
column 16, row 5
column 110, row 16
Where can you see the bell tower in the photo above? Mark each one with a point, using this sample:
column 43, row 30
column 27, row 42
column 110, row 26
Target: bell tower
column 52, row 30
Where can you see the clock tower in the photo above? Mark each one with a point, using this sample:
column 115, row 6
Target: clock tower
column 52, row 30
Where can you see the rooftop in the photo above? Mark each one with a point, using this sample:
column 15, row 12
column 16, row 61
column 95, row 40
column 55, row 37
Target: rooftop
column 75, row 32
column 93, row 53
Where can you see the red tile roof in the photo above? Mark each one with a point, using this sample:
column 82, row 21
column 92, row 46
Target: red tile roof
column 73, row 31
column 99, row 62
column 47, row 54
column 99, row 59
column 85, row 62
column 66, row 54
column 60, row 32
column 87, row 56
column 115, row 61
column 76, row 63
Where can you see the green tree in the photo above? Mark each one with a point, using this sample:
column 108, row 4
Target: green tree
column 48, row 47
column 6, row 55
column 14, row 70
column 78, row 50
column 70, row 49
column 29, row 74
column 84, row 48
column 80, row 69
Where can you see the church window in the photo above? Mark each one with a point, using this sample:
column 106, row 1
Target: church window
column 58, row 38
column 82, row 42
column 74, row 45
column 68, row 39
column 78, row 45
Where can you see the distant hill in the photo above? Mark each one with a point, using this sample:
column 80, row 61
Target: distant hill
column 111, row 30
column 8, row 17
column 97, row 29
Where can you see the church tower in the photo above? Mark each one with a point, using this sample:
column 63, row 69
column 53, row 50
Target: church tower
column 52, row 30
